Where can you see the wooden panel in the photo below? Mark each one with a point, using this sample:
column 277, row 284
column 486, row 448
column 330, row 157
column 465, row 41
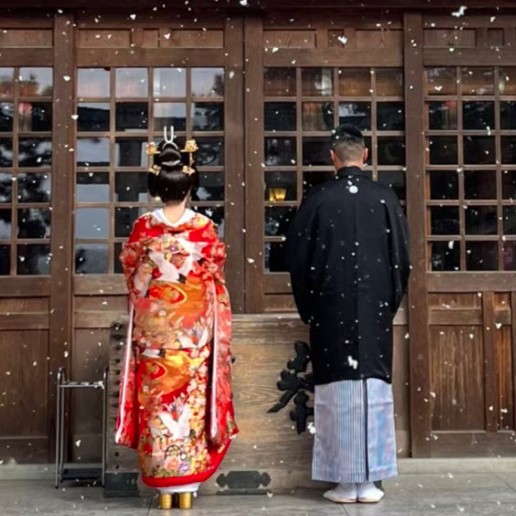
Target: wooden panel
column 400, row 386
column 469, row 57
column 150, row 38
column 28, row 321
column 24, row 450
column 23, row 305
column 472, row 282
column 197, row 38
column 34, row 38
column 279, row 303
column 100, row 303
column 379, row 39
column 289, row 38
column 23, row 57
column 504, row 368
column 451, row 301
column 103, row 38
column 472, row 444
column 449, row 38
column 102, row 284
column 24, row 286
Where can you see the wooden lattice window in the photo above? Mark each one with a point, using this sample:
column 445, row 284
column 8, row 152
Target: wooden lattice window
column 119, row 110
column 25, row 170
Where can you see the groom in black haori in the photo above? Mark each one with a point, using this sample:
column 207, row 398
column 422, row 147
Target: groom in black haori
column 348, row 256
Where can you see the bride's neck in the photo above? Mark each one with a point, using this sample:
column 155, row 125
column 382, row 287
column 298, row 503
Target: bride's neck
column 174, row 211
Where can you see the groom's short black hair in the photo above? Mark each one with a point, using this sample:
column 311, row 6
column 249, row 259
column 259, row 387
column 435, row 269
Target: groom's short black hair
column 348, row 142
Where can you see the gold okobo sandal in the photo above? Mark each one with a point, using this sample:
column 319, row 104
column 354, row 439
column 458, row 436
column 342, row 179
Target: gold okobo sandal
column 177, row 500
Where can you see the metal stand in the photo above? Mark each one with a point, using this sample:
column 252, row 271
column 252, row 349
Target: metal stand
column 83, row 473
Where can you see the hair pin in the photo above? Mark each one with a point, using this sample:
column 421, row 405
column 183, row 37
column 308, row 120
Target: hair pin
column 188, row 170
column 165, row 134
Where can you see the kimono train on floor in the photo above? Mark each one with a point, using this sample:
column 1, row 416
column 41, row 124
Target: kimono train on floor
column 175, row 403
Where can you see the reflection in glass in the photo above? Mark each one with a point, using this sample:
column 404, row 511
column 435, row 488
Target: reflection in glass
column 169, row 82
column 5, row 224
column 35, row 116
column 275, row 257
column 279, row 116
column 130, row 187
column 478, row 115
column 442, row 116
column 390, row 116
column 443, row 150
column 440, row 81
column 389, row 82
column 216, row 214
column 168, row 114
column 444, row 220
column 312, row 179
column 125, row 219
column 93, row 117
column 507, row 81
column 93, row 83
column 207, row 82
column 6, row 116
column 477, row 81
column 509, row 256
column 6, row 187
column 92, row 152
column 117, row 265
column 355, row 82
column 356, row 113
column 509, row 184
column 317, row 82
column 396, row 180
column 5, row 259
column 444, row 184
column 445, row 256
column 207, row 116
column 131, row 82
column 280, row 152
column 280, row 186
column 479, row 185
column 6, row 82
column 509, row 220
column 6, row 152
column 316, row 151
column 92, row 223
column 130, row 152
column 34, row 223
column 508, row 150
column 278, row 219
column 33, row 259
column 210, row 153
column 131, row 116
column 318, row 116
column 34, row 152
column 211, row 187
column 391, row 150
column 92, row 187
column 481, row 256
column 479, row 150
column 508, row 115
column 34, row 187
column 91, row 259
column 280, row 82
column 36, row 82
column 481, row 220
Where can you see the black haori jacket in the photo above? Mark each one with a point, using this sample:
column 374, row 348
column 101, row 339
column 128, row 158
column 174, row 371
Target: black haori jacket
column 348, row 256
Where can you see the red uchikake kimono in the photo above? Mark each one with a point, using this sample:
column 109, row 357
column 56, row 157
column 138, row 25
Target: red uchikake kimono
column 175, row 404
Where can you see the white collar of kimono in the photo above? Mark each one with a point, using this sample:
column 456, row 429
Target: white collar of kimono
column 159, row 214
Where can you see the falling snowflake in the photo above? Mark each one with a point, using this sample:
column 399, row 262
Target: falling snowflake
column 460, row 12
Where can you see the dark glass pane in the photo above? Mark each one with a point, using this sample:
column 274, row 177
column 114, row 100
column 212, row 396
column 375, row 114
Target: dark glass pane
column 131, row 82
column 131, row 116
column 508, row 115
column 6, row 116
column 169, row 82
column 507, row 81
column 280, row 186
column 444, row 185
column 34, row 152
column 5, row 224
column 312, row 179
column 211, row 187
column 509, row 184
column 33, row 259
column 117, row 265
column 35, row 116
column 444, row 220
column 216, row 214
column 479, row 150
column 207, row 82
column 482, row 256
column 125, row 219
column 36, row 82
column 167, row 114
column 355, row 82
column 91, row 259
column 6, row 152
column 210, row 153
column 391, row 150
column 442, row 115
column 477, row 81
column 443, row 150
column 34, row 223
column 5, row 257
column 280, row 152
column 509, row 150
column 280, row 116
column 93, row 152
column 93, row 83
column 390, row 116
column 275, row 257
column 316, row 151
column 6, row 82
column 396, row 180
column 317, row 82
column 509, row 256
column 479, row 185
column 389, row 82
column 445, row 256
column 356, row 113
column 207, row 116
column 481, row 220
column 478, row 115
column 92, row 223
column 6, row 187
column 280, row 82
column 318, row 116
column 440, row 81
column 130, row 152
column 93, row 117
column 92, row 187
column 34, row 187
column 509, row 220
column 278, row 219
column 129, row 187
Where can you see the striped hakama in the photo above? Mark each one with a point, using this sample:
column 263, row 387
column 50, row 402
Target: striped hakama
column 354, row 432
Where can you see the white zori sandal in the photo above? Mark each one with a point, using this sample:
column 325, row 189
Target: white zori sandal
column 369, row 493
column 343, row 493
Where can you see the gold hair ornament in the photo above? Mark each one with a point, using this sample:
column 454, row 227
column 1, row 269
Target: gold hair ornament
column 151, row 149
column 190, row 147
column 155, row 169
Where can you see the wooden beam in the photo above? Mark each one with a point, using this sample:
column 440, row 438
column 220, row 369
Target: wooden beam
column 469, row 57
column 490, row 363
column 26, row 56
column 471, row 282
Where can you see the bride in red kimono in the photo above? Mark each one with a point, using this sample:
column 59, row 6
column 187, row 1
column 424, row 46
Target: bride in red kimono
column 175, row 404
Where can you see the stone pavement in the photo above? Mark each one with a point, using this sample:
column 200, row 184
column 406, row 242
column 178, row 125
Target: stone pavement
column 482, row 494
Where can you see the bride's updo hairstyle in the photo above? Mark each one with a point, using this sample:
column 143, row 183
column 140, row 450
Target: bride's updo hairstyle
column 172, row 177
